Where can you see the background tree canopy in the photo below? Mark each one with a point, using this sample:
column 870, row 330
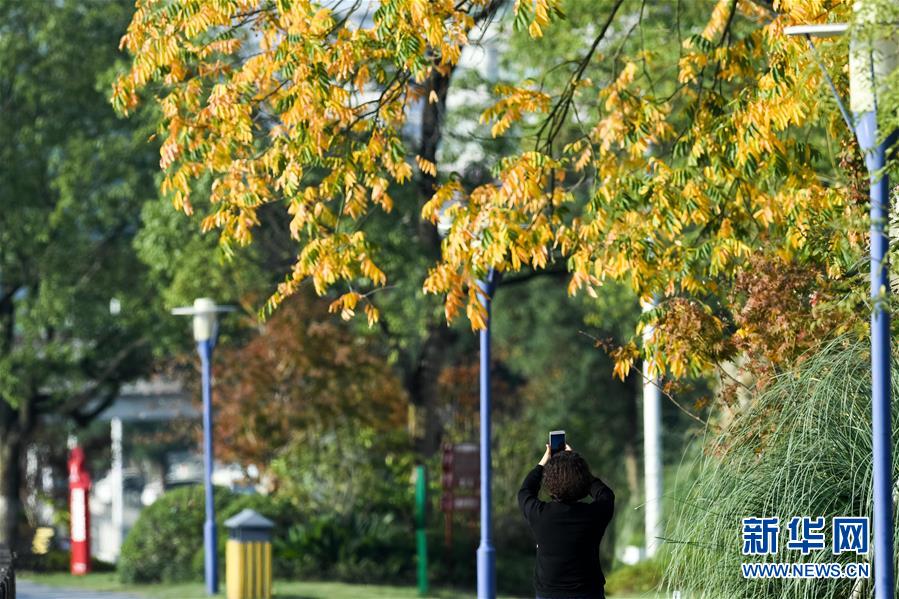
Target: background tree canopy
column 73, row 177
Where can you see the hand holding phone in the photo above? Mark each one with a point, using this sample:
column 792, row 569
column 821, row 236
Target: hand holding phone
column 556, row 442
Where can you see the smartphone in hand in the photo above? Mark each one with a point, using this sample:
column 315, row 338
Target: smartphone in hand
column 556, row 442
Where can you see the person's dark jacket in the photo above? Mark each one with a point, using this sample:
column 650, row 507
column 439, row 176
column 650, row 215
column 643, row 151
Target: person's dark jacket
column 568, row 536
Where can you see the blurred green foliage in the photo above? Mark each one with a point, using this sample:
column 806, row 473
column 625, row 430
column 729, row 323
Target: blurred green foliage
column 340, row 471
column 642, row 577
column 57, row 560
column 73, row 179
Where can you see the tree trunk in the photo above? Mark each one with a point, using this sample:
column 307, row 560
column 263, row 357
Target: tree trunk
column 432, row 114
column 11, row 437
column 423, row 388
column 422, row 381
column 10, row 479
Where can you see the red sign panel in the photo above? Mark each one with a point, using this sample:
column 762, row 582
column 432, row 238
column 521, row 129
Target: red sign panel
column 461, row 477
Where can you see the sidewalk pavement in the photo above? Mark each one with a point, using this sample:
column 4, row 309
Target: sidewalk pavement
column 31, row 590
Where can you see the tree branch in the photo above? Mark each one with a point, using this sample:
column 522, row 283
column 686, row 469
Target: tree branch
column 103, row 378
column 556, row 118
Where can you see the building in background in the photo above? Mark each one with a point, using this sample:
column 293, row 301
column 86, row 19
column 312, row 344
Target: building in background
column 130, row 485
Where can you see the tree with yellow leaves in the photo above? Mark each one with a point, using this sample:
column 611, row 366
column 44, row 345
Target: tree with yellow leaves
column 656, row 154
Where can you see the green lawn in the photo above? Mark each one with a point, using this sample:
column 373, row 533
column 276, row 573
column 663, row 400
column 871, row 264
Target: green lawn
column 283, row 589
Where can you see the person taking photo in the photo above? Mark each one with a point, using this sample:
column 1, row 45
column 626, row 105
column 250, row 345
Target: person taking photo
column 567, row 530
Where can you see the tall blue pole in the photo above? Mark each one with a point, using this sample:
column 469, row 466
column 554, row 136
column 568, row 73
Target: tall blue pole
column 486, row 552
column 875, row 159
column 864, row 65
column 209, row 537
column 865, row 62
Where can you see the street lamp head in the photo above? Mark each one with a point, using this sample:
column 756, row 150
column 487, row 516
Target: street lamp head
column 820, row 30
column 204, row 318
column 204, row 312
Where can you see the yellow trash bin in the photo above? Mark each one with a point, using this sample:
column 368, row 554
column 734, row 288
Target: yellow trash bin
column 248, row 556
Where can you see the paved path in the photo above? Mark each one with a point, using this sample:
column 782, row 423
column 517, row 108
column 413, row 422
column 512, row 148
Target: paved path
column 30, row 590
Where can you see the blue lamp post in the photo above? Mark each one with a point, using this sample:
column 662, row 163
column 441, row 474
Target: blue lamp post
column 205, row 325
column 870, row 60
column 486, row 551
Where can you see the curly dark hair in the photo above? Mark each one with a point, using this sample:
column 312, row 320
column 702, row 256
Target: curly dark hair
column 567, row 476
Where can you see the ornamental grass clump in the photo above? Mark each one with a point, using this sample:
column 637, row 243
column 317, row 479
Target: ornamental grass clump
column 803, row 448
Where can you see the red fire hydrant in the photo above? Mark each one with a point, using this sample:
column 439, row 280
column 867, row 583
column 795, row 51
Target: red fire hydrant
column 79, row 512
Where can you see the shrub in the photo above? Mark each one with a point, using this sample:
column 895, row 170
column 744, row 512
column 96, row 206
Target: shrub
column 168, row 536
column 344, row 470
column 802, row 449
column 641, row 577
column 166, row 543
column 56, row 560
column 357, row 547
column 350, row 501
